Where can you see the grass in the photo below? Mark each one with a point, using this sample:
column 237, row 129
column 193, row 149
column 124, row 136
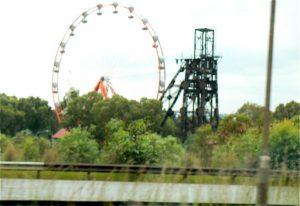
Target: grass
column 199, row 179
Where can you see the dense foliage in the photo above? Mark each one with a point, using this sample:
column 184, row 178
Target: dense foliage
column 285, row 145
column 78, row 147
column 237, row 143
column 30, row 113
column 287, row 111
column 123, row 131
column 254, row 112
column 91, row 110
column 137, row 145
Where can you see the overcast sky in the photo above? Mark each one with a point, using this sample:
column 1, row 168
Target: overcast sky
column 113, row 45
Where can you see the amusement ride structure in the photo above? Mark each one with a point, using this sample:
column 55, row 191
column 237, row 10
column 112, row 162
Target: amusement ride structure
column 104, row 84
column 195, row 83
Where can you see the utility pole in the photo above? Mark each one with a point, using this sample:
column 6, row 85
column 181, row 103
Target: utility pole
column 262, row 187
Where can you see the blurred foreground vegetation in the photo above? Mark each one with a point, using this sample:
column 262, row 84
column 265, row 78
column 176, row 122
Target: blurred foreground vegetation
column 125, row 131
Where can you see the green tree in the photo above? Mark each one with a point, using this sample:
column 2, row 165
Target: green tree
column 78, row 147
column 38, row 114
column 138, row 146
column 151, row 112
column 296, row 120
column 287, row 111
column 254, row 112
column 30, row 113
column 118, row 148
column 285, row 145
column 292, row 108
column 137, row 127
column 79, row 110
column 91, row 109
column 233, row 124
column 128, row 111
column 170, row 128
column 113, row 126
column 280, row 113
column 11, row 118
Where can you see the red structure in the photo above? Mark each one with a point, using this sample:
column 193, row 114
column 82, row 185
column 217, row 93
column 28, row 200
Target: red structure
column 104, row 85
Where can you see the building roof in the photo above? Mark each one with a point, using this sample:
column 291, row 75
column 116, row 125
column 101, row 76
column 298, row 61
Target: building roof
column 60, row 133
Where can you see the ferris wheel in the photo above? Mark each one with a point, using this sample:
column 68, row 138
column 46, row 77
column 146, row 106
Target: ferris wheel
column 88, row 73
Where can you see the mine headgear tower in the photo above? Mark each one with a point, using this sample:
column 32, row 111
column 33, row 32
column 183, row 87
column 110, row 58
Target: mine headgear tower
column 199, row 87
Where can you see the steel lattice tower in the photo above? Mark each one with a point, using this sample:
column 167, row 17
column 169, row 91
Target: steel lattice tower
column 199, row 87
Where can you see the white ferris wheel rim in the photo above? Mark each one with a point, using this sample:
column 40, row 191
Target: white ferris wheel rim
column 161, row 69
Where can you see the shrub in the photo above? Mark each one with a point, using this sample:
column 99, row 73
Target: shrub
column 51, row 155
column 285, row 145
column 149, row 149
column 78, row 147
column 170, row 152
column 118, row 148
column 234, row 124
column 12, row 153
column 200, row 145
column 4, row 141
column 43, row 144
column 31, row 149
column 240, row 151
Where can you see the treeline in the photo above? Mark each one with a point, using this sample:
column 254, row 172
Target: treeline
column 119, row 130
column 30, row 113
column 92, row 111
